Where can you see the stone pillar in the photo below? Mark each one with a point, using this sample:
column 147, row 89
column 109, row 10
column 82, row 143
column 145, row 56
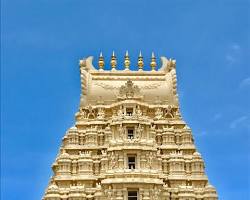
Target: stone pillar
column 125, row 193
column 188, row 167
column 143, row 161
column 81, row 139
column 97, row 167
column 146, row 195
column 119, row 195
column 164, row 165
column 177, row 136
column 165, row 195
column 74, row 166
column 101, row 139
column 164, row 138
column 120, row 161
column 138, row 161
column 159, row 162
column 125, row 160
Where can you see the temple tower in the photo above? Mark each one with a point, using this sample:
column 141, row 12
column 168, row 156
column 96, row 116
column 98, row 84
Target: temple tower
column 129, row 141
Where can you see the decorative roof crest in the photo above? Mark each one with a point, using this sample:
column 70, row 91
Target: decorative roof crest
column 129, row 90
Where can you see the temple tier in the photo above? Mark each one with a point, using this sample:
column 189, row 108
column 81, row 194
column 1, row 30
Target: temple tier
column 129, row 141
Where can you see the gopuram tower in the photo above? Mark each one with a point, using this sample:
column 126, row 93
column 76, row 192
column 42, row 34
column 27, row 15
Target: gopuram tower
column 129, row 141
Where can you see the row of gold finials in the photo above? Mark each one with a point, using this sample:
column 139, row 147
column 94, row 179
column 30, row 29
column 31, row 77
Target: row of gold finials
column 140, row 63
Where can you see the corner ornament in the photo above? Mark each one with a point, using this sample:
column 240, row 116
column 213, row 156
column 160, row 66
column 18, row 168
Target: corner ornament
column 129, row 90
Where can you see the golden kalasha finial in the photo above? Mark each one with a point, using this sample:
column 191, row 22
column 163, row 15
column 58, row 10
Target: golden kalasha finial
column 101, row 62
column 153, row 63
column 140, row 62
column 126, row 61
column 113, row 61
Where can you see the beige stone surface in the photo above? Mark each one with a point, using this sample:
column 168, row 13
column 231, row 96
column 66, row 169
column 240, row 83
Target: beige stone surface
column 129, row 138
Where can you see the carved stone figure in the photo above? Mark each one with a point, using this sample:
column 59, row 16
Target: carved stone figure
column 110, row 193
column 104, row 152
column 158, row 152
column 98, row 186
column 129, row 90
column 169, row 112
column 101, row 113
column 121, row 132
column 150, row 160
column 113, row 160
column 91, row 114
column 138, row 111
column 139, row 131
column 120, row 113
column 156, row 193
column 83, row 113
column 158, row 113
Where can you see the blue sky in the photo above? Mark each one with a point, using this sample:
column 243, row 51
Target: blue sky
column 43, row 40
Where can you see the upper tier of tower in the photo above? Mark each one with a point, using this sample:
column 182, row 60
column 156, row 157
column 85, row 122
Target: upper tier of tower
column 106, row 87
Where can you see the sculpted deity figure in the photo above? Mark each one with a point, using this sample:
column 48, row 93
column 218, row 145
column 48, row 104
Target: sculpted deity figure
column 101, row 113
column 121, row 132
column 168, row 112
column 83, row 113
column 158, row 113
column 113, row 160
column 114, row 113
column 107, row 128
column 153, row 127
column 158, row 152
column 156, row 193
column 139, row 131
column 104, row 152
column 91, row 113
column 150, row 159
column 109, row 193
column 98, row 186
column 129, row 90
column 165, row 186
column 120, row 112
column 138, row 111
column 153, row 132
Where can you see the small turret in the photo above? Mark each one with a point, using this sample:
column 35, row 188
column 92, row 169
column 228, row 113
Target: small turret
column 126, row 61
column 101, row 62
column 153, row 63
column 113, row 61
column 140, row 62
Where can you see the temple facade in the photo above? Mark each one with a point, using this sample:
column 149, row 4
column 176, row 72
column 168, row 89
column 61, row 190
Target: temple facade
column 129, row 141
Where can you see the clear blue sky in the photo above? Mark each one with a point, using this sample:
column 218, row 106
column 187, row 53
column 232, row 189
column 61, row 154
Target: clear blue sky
column 43, row 40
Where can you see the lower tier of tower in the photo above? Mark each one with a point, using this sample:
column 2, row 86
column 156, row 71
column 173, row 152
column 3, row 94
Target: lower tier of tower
column 130, row 188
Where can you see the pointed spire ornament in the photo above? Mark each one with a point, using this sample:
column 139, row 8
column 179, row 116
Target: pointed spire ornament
column 101, row 62
column 153, row 63
column 113, row 61
column 140, row 62
column 126, row 61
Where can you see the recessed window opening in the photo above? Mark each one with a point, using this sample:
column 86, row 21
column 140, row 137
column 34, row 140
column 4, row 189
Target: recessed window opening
column 131, row 162
column 132, row 195
column 130, row 133
column 129, row 111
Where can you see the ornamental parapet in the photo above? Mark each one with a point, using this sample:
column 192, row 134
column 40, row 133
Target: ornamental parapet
column 133, row 180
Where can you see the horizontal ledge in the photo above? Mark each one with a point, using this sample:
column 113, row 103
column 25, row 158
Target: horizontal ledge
column 127, row 73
